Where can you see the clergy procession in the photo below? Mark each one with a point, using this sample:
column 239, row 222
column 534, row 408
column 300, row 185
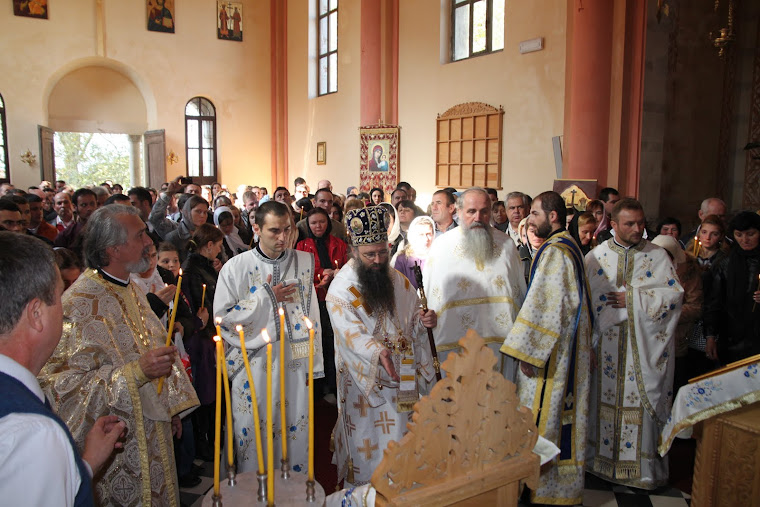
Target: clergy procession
column 116, row 384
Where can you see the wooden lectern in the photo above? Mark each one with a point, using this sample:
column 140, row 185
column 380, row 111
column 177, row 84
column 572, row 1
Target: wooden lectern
column 469, row 443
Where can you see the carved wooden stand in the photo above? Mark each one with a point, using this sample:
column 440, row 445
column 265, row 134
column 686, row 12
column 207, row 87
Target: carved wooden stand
column 469, row 443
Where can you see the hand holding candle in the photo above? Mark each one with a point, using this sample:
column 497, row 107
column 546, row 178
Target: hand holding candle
column 171, row 324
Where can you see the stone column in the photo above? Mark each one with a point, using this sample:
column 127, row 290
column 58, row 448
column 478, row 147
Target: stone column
column 135, row 173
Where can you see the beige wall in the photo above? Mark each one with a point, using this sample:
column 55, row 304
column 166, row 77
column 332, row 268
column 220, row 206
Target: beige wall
column 168, row 69
column 530, row 87
column 331, row 118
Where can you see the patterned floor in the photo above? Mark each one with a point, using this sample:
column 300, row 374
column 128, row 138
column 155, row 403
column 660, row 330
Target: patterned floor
column 598, row 493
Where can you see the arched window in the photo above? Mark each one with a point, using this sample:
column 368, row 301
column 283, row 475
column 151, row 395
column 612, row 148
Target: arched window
column 5, row 174
column 200, row 140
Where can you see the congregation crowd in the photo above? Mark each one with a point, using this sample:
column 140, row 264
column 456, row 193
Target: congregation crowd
column 598, row 315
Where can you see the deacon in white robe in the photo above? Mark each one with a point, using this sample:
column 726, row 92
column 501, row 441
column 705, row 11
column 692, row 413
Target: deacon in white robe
column 382, row 353
column 552, row 337
column 473, row 279
column 249, row 292
column 636, row 300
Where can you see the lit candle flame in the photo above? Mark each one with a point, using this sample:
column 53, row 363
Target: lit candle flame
column 217, row 338
column 265, row 335
column 308, row 322
column 218, row 320
column 180, row 271
column 281, row 311
column 238, row 328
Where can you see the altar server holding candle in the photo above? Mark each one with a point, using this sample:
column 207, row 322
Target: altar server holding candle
column 251, row 288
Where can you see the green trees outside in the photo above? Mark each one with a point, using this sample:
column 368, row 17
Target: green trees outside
column 90, row 159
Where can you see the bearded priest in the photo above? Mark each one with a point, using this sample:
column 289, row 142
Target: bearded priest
column 382, row 353
column 474, row 280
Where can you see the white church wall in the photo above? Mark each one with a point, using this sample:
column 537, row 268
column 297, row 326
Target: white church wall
column 530, row 87
column 332, row 118
column 169, row 69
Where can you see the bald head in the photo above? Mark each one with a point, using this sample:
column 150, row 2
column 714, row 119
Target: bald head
column 324, row 184
column 712, row 206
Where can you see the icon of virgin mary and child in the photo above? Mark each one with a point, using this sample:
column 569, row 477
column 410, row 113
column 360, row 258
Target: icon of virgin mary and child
column 379, row 160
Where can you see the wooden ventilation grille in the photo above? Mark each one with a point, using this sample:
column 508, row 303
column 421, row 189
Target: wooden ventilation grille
column 468, row 151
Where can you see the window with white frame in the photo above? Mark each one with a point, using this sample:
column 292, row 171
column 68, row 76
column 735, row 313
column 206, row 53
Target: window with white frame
column 477, row 28
column 327, row 44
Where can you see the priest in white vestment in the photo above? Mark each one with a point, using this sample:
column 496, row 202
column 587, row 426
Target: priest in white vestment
column 636, row 300
column 552, row 339
column 382, row 353
column 473, row 279
column 252, row 286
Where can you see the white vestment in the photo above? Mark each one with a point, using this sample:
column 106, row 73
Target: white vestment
column 466, row 295
column 372, row 411
column 632, row 386
column 244, row 297
column 553, row 333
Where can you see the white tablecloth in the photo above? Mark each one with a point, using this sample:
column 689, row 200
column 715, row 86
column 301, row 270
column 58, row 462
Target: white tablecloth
column 708, row 398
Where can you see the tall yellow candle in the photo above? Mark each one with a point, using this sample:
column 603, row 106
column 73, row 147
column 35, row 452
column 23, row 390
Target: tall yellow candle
column 218, row 414
column 283, row 412
column 254, row 401
column 270, row 428
column 228, row 407
column 218, row 322
column 203, row 298
column 311, row 399
column 171, row 324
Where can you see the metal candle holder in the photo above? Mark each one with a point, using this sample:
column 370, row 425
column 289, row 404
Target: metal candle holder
column 310, row 491
column 216, row 501
column 262, row 493
column 285, row 469
column 231, row 480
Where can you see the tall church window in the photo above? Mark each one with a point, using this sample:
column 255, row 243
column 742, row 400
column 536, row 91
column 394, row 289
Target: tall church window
column 200, row 140
column 327, row 43
column 477, row 27
column 5, row 175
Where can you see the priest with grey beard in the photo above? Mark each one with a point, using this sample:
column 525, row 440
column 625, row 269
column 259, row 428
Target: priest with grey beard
column 382, row 354
column 110, row 358
column 473, row 279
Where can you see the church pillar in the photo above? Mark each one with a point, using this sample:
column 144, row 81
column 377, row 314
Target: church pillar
column 590, row 66
column 379, row 62
column 279, row 115
column 135, row 176
column 605, row 95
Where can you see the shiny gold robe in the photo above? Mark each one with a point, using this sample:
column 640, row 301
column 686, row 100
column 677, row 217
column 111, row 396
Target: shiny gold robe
column 94, row 372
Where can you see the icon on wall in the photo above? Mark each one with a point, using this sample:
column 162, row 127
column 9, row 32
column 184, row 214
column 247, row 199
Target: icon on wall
column 31, row 8
column 161, row 16
column 229, row 23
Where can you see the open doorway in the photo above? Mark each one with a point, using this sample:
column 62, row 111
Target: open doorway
column 91, row 158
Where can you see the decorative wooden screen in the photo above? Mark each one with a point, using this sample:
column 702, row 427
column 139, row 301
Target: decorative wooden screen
column 468, row 138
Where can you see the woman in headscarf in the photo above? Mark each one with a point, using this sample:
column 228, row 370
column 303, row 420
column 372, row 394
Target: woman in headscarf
column 582, row 228
column 233, row 244
column 194, row 214
column 329, row 255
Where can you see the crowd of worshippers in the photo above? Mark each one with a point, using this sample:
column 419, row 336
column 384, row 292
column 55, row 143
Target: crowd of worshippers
column 598, row 315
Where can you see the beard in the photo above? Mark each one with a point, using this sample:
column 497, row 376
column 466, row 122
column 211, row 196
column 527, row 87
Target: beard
column 142, row 265
column 376, row 287
column 543, row 230
column 478, row 237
